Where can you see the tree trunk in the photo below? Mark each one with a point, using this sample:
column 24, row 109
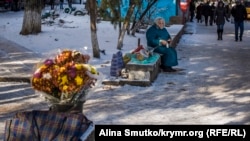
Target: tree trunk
column 125, row 24
column 32, row 17
column 93, row 17
column 134, row 21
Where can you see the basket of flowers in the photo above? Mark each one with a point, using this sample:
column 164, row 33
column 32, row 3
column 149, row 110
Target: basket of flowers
column 65, row 80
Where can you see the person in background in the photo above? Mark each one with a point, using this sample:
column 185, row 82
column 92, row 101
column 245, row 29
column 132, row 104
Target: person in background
column 206, row 11
column 199, row 13
column 15, row 5
column 61, row 4
column 220, row 15
column 240, row 14
column 211, row 19
column 191, row 10
column 70, row 4
column 8, row 4
column 159, row 39
column 228, row 9
column 52, row 4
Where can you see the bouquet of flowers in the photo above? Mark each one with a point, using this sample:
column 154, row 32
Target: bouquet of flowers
column 65, row 78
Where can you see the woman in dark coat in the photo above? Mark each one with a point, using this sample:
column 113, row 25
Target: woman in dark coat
column 199, row 13
column 158, row 38
column 220, row 16
column 206, row 10
column 192, row 10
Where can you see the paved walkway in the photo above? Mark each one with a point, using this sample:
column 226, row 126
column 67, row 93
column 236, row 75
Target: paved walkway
column 16, row 62
column 16, row 65
column 213, row 89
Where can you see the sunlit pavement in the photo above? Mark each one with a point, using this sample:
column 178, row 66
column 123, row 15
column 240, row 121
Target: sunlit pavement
column 213, row 89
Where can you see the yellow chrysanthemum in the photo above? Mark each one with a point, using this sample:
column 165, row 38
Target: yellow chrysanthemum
column 43, row 67
column 65, row 87
column 64, row 80
column 62, row 69
column 78, row 80
column 78, row 66
column 35, row 80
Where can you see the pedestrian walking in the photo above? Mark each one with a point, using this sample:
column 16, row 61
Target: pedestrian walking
column 192, row 10
column 199, row 13
column 206, row 10
column 61, row 4
column 228, row 9
column 211, row 16
column 70, row 4
column 52, row 4
column 15, row 5
column 220, row 17
column 240, row 14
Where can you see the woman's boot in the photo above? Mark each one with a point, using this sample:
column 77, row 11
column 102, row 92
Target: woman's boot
column 218, row 33
column 221, row 33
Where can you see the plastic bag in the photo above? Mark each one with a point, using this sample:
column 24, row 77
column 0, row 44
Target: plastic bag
column 117, row 64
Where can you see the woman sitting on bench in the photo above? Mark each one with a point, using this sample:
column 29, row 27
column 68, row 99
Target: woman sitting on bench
column 159, row 39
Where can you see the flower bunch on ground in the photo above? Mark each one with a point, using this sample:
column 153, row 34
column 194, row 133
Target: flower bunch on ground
column 64, row 75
